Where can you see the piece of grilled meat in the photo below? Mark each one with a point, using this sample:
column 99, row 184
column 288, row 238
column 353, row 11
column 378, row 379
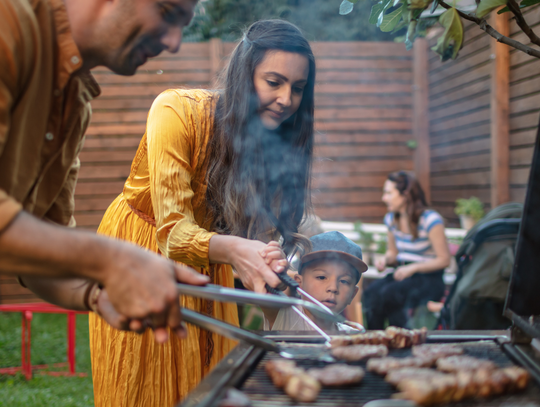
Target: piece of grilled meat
column 392, row 337
column 355, row 353
column 436, row 351
column 462, row 362
column 384, row 365
column 280, row 371
column 337, row 375
column 303, row 387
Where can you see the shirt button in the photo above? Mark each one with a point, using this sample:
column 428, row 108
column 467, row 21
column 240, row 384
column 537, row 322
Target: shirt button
column 75, row 60
column 49, row 136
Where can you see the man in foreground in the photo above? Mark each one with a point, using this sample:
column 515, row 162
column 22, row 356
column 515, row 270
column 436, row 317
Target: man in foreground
column 47, row 48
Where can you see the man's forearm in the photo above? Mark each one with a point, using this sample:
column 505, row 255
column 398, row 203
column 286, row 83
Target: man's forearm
column 31, row 247
column 66, row 293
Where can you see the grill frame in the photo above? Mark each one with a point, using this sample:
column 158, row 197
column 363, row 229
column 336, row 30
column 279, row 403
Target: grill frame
column 240, row 364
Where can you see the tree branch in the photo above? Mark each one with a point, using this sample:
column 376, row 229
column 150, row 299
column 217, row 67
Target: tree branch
column 461, row 13
column 482, row 23
column 520, row 20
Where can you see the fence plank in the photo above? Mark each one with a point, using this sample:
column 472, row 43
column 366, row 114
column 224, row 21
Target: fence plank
column 361, row 165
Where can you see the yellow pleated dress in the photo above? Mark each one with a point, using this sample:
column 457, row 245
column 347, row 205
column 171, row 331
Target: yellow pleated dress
column 166, row 184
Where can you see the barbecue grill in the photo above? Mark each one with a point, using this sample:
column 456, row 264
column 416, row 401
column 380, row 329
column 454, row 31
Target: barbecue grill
column 243, row 368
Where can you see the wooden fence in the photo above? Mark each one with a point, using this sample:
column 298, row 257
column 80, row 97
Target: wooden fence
column 483, row 114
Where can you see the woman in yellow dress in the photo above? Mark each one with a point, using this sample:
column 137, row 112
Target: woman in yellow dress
column 216, row 175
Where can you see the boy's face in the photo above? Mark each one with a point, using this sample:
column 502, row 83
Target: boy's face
column 332, row 282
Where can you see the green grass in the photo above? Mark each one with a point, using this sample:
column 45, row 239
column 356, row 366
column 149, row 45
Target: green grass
column 49, row 341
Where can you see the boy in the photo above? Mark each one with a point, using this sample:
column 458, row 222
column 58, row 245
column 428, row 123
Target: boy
column 329, row 273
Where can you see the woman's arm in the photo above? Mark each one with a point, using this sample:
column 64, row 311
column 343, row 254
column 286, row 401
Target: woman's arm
column 175, row 128
column 438, row 241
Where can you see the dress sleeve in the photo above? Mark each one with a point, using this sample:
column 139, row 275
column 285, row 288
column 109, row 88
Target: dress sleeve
column 171, row 135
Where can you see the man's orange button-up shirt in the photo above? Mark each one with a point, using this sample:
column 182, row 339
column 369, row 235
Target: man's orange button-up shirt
column 44, row 110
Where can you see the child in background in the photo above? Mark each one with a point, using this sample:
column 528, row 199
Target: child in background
column 330, row 273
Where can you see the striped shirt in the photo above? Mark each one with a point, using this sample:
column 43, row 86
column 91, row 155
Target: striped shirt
column 419, row 249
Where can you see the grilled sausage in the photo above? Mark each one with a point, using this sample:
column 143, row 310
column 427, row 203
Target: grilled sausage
column 338, row 375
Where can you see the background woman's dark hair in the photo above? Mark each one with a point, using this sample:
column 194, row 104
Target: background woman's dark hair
column 409, row 187
column 258, row 180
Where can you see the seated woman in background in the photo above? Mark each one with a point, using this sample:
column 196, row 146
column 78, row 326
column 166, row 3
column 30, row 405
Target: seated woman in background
column 418, row 250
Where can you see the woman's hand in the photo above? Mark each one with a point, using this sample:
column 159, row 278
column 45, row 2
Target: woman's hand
column 255, row 270
column 404, row 272
column 380, row 263
column 274, row 256
column 247, row 259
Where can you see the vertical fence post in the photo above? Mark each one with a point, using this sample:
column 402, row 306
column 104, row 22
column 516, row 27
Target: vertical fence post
column 500, row 103
column 422, row 155
column 216, row 55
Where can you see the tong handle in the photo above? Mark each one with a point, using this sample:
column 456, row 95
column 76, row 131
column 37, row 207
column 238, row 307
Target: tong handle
column 275, row 291
column 286, row 281
column 289, row 281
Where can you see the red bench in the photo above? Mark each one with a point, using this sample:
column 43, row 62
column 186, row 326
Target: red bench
column 27, row 311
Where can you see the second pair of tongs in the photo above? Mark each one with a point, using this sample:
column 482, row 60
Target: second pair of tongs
column 218, row 293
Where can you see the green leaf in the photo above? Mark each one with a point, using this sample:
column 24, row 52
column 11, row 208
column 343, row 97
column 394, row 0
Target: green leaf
column 528, row 3
column 346, row 7
column 524, row 3
column 375, row 11
column 403, row 23
column 386, row 5
column 451, row 40
column 391, row 20
column 487, row 6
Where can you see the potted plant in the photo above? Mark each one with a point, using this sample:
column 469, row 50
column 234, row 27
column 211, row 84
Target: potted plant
column 470, row 211
column 365, row 241
column 380, row 252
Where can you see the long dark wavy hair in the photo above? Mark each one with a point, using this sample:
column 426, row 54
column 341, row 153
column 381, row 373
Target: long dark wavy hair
column 415, row 199
column 259, row 179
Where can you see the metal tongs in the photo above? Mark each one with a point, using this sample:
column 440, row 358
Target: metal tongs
column 219, row 293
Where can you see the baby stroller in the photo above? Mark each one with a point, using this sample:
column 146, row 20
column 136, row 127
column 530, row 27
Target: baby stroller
column 485, row 260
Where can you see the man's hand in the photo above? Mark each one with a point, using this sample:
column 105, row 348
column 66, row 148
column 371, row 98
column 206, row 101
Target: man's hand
column 142, row 286
column 105, row 310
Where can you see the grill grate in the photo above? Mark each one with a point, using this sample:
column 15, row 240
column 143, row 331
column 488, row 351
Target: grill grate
column 263, row 393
